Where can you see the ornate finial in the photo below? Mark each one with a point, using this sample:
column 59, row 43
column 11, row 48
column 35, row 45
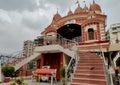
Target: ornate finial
column 77, row 2
column 84, row 2
column 57, row 10
column 93, row 1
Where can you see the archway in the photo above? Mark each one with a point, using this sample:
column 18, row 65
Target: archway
column 71, row 31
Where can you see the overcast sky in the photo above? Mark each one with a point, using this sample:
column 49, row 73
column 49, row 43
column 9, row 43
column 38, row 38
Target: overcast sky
column 22, row 20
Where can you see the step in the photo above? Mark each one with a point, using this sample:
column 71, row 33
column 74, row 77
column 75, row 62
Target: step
column 93, row 76
column 93, row 58
column 89, row 81
column 82, row 84
column 83, row 53
column 90, row 61
column 89, row 64
column 90, row 71
column 90, row 67
column 90, row 56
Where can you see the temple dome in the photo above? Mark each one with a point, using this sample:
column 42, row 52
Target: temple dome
column 85, row 9
column 57, row 16
column 78, row 9
column 95, row 7
column 70, row 12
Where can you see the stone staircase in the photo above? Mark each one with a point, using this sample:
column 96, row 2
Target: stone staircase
column 89, row 70
column 19, row 62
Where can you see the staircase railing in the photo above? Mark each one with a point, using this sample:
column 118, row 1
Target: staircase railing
column 11, row 58
column 66, row 43
column 105, row 66
column 72, row 45
column 56, row 39
column 72, row 65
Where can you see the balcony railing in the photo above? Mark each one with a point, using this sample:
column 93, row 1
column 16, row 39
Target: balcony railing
column 57, row 39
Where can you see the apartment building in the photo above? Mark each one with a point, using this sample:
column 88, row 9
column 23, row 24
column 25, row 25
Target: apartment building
column 28, row 48
column 114, row 33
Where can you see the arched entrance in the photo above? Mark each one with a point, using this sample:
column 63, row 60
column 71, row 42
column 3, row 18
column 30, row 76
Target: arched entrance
column 71, row 31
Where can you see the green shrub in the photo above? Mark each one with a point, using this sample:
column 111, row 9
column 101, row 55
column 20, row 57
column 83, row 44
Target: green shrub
column 62, row 72
column 8, row 71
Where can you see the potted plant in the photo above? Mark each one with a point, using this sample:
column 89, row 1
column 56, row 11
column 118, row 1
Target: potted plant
column 7, row 72
column 62, row 72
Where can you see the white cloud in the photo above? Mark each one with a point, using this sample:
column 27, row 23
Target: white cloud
column 4, row 17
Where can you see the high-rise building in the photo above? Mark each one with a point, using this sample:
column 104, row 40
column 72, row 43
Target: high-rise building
column 114, row 33
column 28, row 48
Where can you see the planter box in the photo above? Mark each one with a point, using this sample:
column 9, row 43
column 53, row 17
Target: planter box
column 7, row 79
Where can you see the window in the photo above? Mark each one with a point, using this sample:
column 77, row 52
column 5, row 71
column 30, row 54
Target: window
column 91, row 34
column 114, row 28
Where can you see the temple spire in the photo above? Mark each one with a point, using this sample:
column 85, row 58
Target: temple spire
column 57, row 10
column 77, row 2
column 84, row 2
column 93, row 1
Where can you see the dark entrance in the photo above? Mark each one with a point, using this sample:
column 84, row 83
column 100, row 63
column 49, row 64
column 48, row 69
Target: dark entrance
column 118, row 62
column 53, row 60
column 70, row 31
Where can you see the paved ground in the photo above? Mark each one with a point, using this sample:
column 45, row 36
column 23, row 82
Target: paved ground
column 37, row 83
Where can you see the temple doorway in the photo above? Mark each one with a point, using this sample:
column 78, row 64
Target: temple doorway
column 71, row 31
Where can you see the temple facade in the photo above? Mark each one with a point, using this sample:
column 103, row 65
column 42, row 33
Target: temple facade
column 85, row 25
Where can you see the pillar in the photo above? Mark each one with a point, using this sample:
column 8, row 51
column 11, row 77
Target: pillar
column 41, row 60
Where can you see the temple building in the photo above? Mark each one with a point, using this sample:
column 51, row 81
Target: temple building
column 85, row 25
column 83, row 29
